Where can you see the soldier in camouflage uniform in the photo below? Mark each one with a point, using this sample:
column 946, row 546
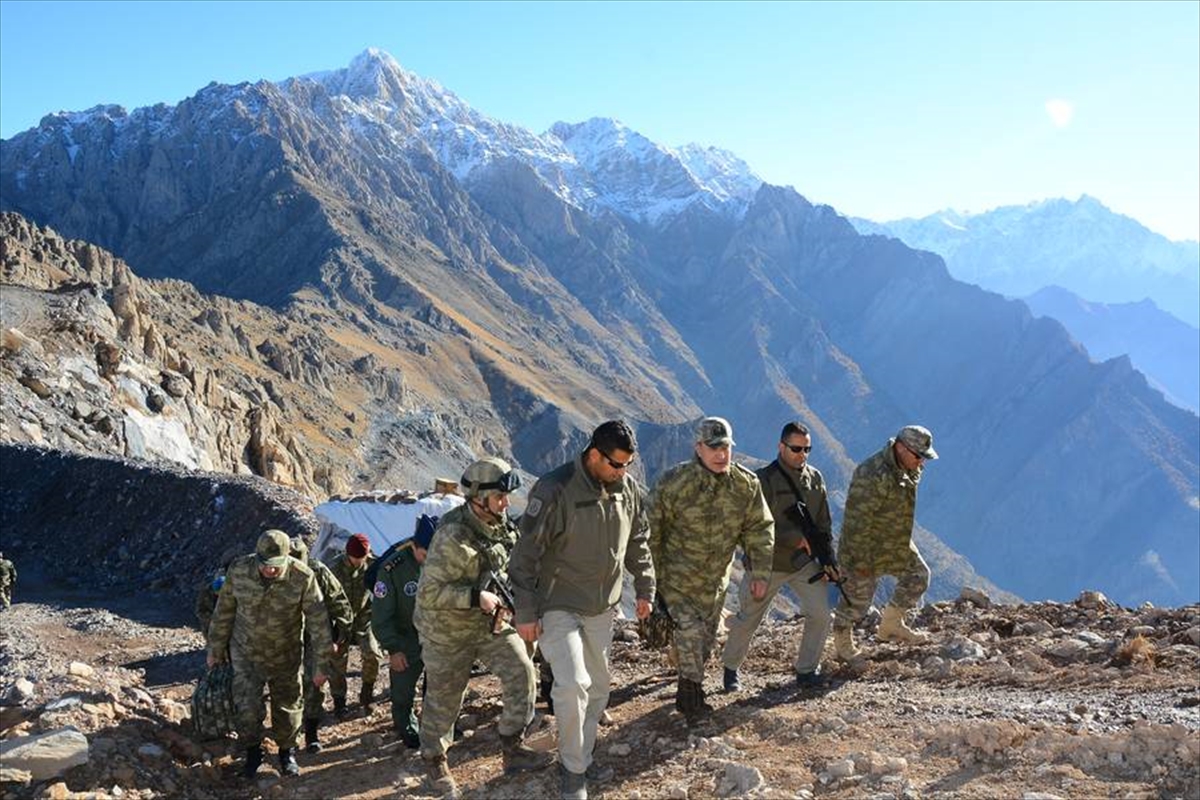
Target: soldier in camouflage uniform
column 206, row 600
column 456, row 617
column 701, row 510
column 393, row 599
column 350, row 568
column 337, row 607
column 877, row 539
column 8, row 579
column 267, row 602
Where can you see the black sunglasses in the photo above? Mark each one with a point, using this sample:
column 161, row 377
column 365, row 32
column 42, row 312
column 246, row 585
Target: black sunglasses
column 798, row 448
column 615, row 464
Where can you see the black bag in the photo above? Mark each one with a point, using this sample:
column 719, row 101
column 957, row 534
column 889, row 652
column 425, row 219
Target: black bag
column 214, row 715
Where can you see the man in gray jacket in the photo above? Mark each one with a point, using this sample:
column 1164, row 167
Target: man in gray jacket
column 583, row 521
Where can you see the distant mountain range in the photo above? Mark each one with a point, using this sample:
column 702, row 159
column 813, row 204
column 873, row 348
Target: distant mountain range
column 518, row 288
column 1081, row 246
column 1117, row 273
column 1160, row 345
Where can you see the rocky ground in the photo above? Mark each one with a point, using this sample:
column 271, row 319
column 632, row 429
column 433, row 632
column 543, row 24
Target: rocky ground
column 1079, row 700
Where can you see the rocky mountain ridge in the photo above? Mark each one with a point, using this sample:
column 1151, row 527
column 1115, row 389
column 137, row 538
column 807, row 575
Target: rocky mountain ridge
column 518, row 319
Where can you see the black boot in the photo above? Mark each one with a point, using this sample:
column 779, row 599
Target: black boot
column 365, row 698
column 312, row 743
column 339, row 706
column 733, row 681
column 287, row 762
column 253, row 761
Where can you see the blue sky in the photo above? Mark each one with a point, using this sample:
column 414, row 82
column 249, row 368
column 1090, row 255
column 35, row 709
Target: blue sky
column 882, row 110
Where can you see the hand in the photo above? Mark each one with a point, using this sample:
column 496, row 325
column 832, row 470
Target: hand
column 212, row 660
column 643, row 608
column 529, row 631
column 319, row 680
column 758, row 588
column 806, row 547
column 398, row 662
column 488, row 602
column 832, row 574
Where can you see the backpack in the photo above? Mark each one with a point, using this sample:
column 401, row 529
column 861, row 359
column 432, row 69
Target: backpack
column 213, row 712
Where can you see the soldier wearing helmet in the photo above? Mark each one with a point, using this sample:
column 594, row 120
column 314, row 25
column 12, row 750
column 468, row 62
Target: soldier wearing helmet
column 455, row 616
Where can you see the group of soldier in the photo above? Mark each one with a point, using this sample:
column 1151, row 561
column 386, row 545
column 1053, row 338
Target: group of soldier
column 478, row 586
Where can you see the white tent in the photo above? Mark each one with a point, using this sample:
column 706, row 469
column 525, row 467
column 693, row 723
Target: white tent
column 383, row 520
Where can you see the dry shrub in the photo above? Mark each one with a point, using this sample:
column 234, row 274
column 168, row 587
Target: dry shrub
column 1138, row 651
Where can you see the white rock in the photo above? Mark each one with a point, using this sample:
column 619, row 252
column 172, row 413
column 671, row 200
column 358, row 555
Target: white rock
column 976, row 596
column 678, row 792
column 842, row 768
column 22, row 691
column 45, row 755
column 80, row 670
column 1194, row 634
column 739, row 780
column 1068, row 648
column 1092, row 599
column 1091, row 637
column 1041, row 795
column 70, row 701
column 620, row 750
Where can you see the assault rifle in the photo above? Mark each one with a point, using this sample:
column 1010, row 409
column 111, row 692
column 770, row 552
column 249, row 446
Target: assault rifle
column 823, row 552
column 497, row 583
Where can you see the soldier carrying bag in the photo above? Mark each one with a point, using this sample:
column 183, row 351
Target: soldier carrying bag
column 213, row 713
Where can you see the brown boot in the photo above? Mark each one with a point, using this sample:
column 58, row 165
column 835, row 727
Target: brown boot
column 892, row 628
column 843, row 644
column 365, row 698
column 519, row 758
column 440, row 779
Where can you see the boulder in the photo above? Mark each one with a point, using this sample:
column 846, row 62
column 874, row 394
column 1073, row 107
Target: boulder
column 45, row 755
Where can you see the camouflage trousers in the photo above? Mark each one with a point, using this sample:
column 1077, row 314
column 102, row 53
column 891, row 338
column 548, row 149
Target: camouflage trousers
column 283, row 686
column 860, row 585
column 371, row 656
column 447, row 672
column 314, row 697
column 5, row 597
column 695, row 636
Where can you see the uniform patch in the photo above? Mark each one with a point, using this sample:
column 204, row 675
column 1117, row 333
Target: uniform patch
column 380, row 589
column 410, row 588
column 535, row 505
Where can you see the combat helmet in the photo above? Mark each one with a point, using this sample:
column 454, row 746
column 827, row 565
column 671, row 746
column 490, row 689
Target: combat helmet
column 489, row 476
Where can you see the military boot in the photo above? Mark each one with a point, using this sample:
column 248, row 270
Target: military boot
column 572, row 785
column 287, row 762
column 366, row 698
column 733, row 681
column 690, row 701
column 253, row 761
column 519, row 758
column 339, row 706
column 440, row 778
column 312, row 743
column 843, row 644
column 894, row 629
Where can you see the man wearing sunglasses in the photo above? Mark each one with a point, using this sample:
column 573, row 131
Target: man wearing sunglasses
column 584, row 522
column 701, row 511
column 803, row 560
column 877, row 540
column 457, row 621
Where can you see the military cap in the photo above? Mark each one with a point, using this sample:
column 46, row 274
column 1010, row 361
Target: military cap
column 715, row 432
column 919, row 440
column 273, row 549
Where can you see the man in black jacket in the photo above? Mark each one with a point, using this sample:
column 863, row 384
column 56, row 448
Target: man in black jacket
column 803, row 558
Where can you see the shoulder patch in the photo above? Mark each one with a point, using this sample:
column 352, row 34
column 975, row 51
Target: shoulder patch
column 410, row 589
column 380, row 589
column 534, row 506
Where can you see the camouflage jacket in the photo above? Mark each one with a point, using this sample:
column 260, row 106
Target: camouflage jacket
column 789, row 532
column 880, row 505
column 351, row 579
column 8, row 572
column 337, row 605
column 462, row 551
column 393, row 600
column 575, row 537
column 697, row 519
column 264, row 621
